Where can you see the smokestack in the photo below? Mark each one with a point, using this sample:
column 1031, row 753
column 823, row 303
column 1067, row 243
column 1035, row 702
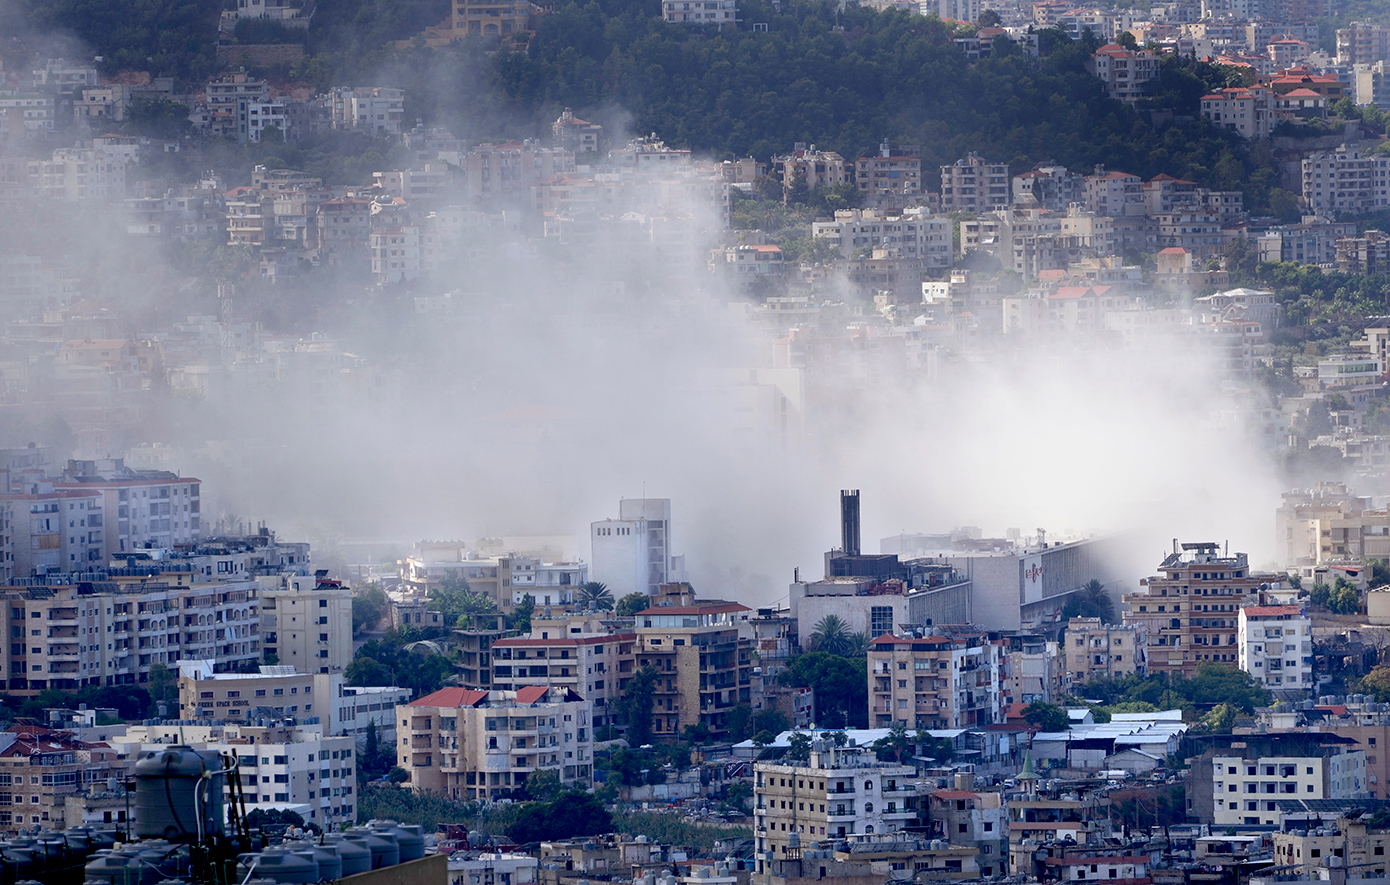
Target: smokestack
column 849, row 522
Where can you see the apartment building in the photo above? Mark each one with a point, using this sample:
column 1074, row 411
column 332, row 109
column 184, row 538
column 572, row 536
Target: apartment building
column 40, row 769
column 1031, row 669
column 1247, row 111
column 1351, row 844
column 140, row 509
column 1100, row 651
column 632, row 554
column 1188, row 614
column 889, row 172
column 504, row 579
column 1367, row 253
column 595, row 667
column 979, row 820
column 1344, row 181
column 934, row 682
column 475, row 744
column 1329, row 523
column 702, row 658
column 838, row 792
column 378, row 110
column 148, row 616
column 1115, row 193
column 280, row 763
column 1126, row 73
column 1049, row 187
column 78, row 174
column 1276, row 647
column 700, row 12
column 812, row 167
column 306, row 623
column 487, row 19
column 1362, row 43
column 911, row 234
column 280, row 691
column 973, row 184
column 1246, row 784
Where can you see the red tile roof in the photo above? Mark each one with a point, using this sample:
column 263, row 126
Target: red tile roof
column 1270, row 611
column 451, row 697
column 531, row 694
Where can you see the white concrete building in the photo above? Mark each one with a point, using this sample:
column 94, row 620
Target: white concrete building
column 1276, row 646
column 466, row 868
column 374, row 109
column 1345, row 181
column 839, row 792
column 911, row 234
column 700, row 12
column 632, row 554
column 280, row 765
column 306, row 622
column 1246, row 791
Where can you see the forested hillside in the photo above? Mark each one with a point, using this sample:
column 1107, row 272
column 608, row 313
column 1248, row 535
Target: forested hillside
column 844, row 79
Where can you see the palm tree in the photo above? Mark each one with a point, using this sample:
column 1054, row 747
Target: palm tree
column 595, row 595
column 832, row 636
column 1098, row 601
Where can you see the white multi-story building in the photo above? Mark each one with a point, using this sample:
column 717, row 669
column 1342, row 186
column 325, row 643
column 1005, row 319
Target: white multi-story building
column 466, row 868
column 28, row 111
column 1125, row 73
column 375, row 109
column 280, row 765
column 1247, row 110
column 838, row 792
column 1247, row 791
column 77, row 174
column 632, row 554
column 1276, row 646
column 700, row 12
column 1345, row 181
column 909, row 235
column 278, row 691
column 594, row 666
column 395, row 254
column 306, row 622
column 140, row 509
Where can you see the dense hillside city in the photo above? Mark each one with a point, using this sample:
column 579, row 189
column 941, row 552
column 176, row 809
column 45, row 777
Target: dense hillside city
column 444, row 441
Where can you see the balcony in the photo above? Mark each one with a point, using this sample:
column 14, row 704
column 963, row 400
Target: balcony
column 845, row 814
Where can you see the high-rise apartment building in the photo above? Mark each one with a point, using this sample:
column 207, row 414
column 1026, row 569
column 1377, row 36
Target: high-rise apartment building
column 1276, row 647
column 306, row 623
column 701, row 658
column 934, row 681
column 1188, row 614
column 973, row 184
column 838, row 792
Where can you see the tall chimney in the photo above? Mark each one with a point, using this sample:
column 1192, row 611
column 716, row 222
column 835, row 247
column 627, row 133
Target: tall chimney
column 849, row 521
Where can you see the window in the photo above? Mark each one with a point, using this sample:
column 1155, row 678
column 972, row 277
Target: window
column 880, row 620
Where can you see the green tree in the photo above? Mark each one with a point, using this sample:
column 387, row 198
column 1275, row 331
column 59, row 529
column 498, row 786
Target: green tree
column 771, row 720
column 1376, row 682
column 1047, row 717
column 841, row 686
column 798, row 748
column 635, row 706
column 369, row 605
column 522, row 613
column 163, row 686
column 543, row 785
column 594, row 595
column 989, row 19
column 832, row 636
column 457, row 602
column 1091, row 601
column 896, row 745
column 740, row 722
column 572, row 814
column 631, row 604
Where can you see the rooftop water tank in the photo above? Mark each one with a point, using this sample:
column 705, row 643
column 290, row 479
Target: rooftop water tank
column 385, row 850
column 410, row 838
column 329, row 861
column 356, row 856
column 178, row 793
column 287, row 867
